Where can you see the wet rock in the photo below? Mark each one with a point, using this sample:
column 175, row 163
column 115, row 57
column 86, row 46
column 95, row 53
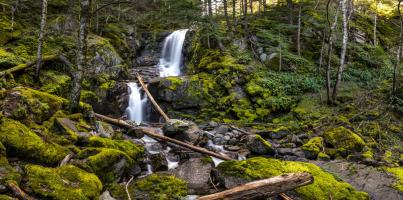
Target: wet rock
column 313, row 147
column 158, row 162
column 256, row 144
column 146, row 61
column 184, row 131
column 104, row 129
column 213, row 124
column 232, row 148
column 222, row 129
column 196, row 173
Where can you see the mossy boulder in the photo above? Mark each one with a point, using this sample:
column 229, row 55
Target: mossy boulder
column 152, row 187
column 132, row 150
column 26, row 103
column 398, row 173
column 7, row 173
column 55, row 82
column 232, row 173
column 8, row 30
column 258, row 145
column 344, row 140
column 108, row 164
column 66, row 182
column 313, row 147
column 8, row 59
column 21, row 142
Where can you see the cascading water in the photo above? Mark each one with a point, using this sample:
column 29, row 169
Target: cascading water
column 171, row 58
column 136, row 104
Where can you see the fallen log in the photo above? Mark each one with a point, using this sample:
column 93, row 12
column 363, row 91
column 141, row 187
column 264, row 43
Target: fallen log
column 27, row 65
column 165, row 116
column 18, row 192
column 263, row 188
column 152, row 132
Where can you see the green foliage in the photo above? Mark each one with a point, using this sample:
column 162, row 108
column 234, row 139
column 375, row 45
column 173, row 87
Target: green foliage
column 62, row 183
column 323, row 186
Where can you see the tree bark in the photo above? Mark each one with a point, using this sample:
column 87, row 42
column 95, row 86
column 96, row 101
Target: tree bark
column 375, row 21
column 152, row 98
column 40, row 39
column 210, row 8
column 18, row 192
column 396, row 69
column 226, row 14
column 343, row 49
column 263, row 188
column 299, row 31
column 152, row 132
column 245, row 7
column 330, row 50
column 85, row 15
column 251, row 6
column 322, row 49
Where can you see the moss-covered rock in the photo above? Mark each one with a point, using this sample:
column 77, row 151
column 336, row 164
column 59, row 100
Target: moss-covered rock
column 20, row 141
column 8, row 30
column 8, row 59
column 152, row 187
column 344, row 140
column 324, row 184
column 26, row 103
column 258, row 145
column 313, row 147
column 125, row 146
column 55, row 82
column 7, row 173
column 398, row 173
column 64, row 182
column 108, row 164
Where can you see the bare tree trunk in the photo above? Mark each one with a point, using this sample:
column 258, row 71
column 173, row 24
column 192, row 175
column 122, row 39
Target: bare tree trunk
column 343, row 49
column 280, row 56
column 330, row 49
column 85, row 15
column 299, row 30
column 234, row 15
column 245, row 7
column 264, row 5
column 251, row 6
column 375, row 20
column 322, row 49
column 210, row 8
column 396, row 69
column 226, row 14
column 290, row 6
column 40, row 39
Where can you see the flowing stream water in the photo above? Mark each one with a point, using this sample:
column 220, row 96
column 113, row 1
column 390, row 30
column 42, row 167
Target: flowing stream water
column 135, row 110
column 171, row 59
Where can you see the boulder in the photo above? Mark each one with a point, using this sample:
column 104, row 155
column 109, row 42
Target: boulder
column 258, row 145
column 7, row 172
column 233, row 173
column 106, row 196
column 104, row 129
column 61, row 183
column 183, row 130
column 196, row 173
column 344, row 140
column 313, row 147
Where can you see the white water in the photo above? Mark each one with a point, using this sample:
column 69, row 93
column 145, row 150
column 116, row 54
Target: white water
column 171, row 58
column 135, row 110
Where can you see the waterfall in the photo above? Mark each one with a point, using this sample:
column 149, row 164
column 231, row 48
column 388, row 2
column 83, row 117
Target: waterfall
column 171, row 58
column 136, row 104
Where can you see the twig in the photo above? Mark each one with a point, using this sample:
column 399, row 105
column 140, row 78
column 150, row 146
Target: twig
column 127, row 186
column 211, row 181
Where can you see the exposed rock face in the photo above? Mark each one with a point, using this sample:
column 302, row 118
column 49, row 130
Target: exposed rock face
column 196, row 173
column 375, row 182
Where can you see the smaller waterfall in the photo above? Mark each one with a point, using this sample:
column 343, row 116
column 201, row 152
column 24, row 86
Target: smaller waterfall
column 135, row 110
column 171, row 58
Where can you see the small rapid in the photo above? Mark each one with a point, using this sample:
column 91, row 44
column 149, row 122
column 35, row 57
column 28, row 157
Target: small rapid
column 135, row 109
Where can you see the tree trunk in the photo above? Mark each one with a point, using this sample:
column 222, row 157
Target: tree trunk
column 396, row 69
column 40, row 39
column 251, row 6
column 322, row 49
column 330, row 50
column 262, row 189
column 375, row 20
column 299, row 31
column 75, row 95
column 290, row 6
column 210, row 8
column 226, row 14
column 343, row 49
column 245, row 7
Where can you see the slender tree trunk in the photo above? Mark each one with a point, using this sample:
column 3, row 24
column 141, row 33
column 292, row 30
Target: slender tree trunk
column 280, row 56
column 343, row 49
column 245, row 7
column 226, row 14
column 290, row 6
column 299, row 31
column 210, row 8
column 396, row 69
column 85, row 15
column 40, row 39
column 375, row 21
column 264, row 5
column 330, row 49
column 322, row 49
column 251, row 6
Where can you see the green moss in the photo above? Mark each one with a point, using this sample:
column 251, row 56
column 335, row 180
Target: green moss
column 313, row 147
column 398, row 173
column 64, row 182
column 324, row 184
column 7, row 173
column 56, row 83
column 155, row 187
column 7, row 31
column 20, row 141
column 5, row 197
column 323, row 156
column 344, row 140
column 126, row 146
column 8, row 59
column 107, row 164
column 265, row 143
column 174, row 82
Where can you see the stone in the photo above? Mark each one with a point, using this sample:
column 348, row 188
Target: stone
column 158, row 162
column 232, row 148
column 222, row 129
column 196, row 173
column 104, row 129
column 263, row 57
column 106, row 196
column 184, row 130
column 213, row 124
column 227, row 137
column 256, row 144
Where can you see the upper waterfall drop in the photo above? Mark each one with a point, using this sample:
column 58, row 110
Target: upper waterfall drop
column 135, row 109
column 171, row 57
